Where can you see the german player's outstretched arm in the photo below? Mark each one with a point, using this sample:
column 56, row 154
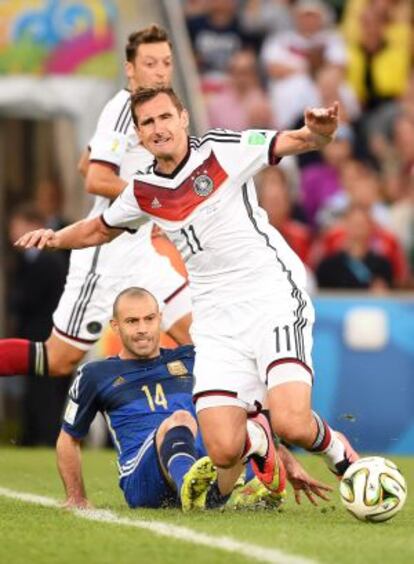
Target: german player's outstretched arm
column 319, row 130
column 69, row 462
column 86, row 233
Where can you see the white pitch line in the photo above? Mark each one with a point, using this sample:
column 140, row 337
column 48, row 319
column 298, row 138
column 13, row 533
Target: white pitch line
column 271, row 555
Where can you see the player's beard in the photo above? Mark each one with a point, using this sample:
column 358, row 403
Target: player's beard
column 140, row 349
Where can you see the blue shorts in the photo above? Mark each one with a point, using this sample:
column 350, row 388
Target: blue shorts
column 144, row 483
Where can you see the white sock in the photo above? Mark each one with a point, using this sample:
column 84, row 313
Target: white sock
column 334, row 452
column 258, row 439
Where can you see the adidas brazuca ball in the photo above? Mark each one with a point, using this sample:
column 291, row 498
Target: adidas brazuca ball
column 373, row 489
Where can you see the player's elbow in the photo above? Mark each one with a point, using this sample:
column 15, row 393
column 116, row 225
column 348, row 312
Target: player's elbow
column 91, row 184
column 66, row 442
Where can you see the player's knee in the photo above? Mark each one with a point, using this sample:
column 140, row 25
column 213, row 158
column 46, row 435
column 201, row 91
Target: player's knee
column 224, row 452
column 183, row 418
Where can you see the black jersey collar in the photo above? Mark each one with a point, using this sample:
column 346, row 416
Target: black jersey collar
column 178, row 168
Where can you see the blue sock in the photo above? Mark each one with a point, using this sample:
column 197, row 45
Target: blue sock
column 178, row 453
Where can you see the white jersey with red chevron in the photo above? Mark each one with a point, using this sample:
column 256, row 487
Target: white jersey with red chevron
column 208, row 208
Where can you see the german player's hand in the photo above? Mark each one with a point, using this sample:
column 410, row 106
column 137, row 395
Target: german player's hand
column 301, row 481
column 40, row 239
column 323, row 121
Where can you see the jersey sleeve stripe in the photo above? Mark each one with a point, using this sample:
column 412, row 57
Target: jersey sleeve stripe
column 125, row 122
column 124, row 111
column 129, row 229
column 109, row 164
column 197, row 143
column 272, row 158
column 219, row 134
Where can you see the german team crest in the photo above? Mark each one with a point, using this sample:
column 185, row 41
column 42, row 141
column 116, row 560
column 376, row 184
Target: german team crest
column 203, row 185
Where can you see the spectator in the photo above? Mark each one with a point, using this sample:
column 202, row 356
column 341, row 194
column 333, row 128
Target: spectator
column 378, row 71
column 292, row 58
column 35, row 290
column 242, row 104
column 266, row 16
column 402, row 221
column 331, row 87
column 356, row 266
column 321, row 182
column 382, row 241
column 48, row 199
column 49, row 202
column 216, row 36
column 274, row 197
column 361, row 186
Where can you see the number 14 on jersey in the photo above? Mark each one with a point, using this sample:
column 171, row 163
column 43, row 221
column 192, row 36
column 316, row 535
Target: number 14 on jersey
column 158, row 398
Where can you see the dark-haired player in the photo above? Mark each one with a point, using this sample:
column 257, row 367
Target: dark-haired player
column 97, row 275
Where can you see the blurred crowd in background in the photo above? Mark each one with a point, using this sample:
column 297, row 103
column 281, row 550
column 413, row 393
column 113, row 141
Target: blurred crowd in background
column 348, row 211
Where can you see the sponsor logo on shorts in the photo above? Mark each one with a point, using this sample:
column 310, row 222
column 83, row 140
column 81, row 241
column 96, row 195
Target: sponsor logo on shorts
column 177, row 368
column 203, row 185
column 94, row 327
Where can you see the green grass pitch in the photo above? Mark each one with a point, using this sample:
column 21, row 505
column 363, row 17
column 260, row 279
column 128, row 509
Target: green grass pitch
column 42, row 535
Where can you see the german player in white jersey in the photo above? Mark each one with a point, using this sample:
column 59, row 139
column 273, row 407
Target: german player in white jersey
column 97, row 275
column 253, row 319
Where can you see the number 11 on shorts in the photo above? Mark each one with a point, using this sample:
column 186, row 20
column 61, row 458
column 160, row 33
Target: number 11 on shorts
column 282, row 338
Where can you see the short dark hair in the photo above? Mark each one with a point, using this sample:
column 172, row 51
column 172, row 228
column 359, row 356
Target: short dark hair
column 133, row 291
column 151, row 34
column 143, row 95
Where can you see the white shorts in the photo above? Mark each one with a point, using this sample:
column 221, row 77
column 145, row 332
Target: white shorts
column 97, row 275
column 244, row 349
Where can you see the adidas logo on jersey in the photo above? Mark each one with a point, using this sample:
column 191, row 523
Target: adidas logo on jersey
column 119, row 381
column 155, row 203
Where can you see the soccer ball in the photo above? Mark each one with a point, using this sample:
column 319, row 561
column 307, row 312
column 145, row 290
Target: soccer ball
column 373, row 489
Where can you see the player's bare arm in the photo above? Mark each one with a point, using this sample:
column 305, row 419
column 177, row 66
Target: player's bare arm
column 86, row 233
column 103, row 180
column 69, row 462
column 83, row 163
column 318, row 131
column 300, row 480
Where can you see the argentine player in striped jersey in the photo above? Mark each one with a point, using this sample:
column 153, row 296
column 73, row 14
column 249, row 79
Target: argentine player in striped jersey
column 97, row 275
column 145, row 394
column 252, row 316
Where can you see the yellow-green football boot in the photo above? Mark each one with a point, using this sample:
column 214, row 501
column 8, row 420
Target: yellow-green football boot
column 196, row 484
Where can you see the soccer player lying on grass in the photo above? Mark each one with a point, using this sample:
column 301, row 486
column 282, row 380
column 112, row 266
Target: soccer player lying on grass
column 145, row 394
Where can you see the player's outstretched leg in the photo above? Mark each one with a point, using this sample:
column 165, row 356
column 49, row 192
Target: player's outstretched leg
column 178, row 456
column 337, row 451
column 22, row 357
column 197, row 483
column 294, row 421
column 54, row 357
